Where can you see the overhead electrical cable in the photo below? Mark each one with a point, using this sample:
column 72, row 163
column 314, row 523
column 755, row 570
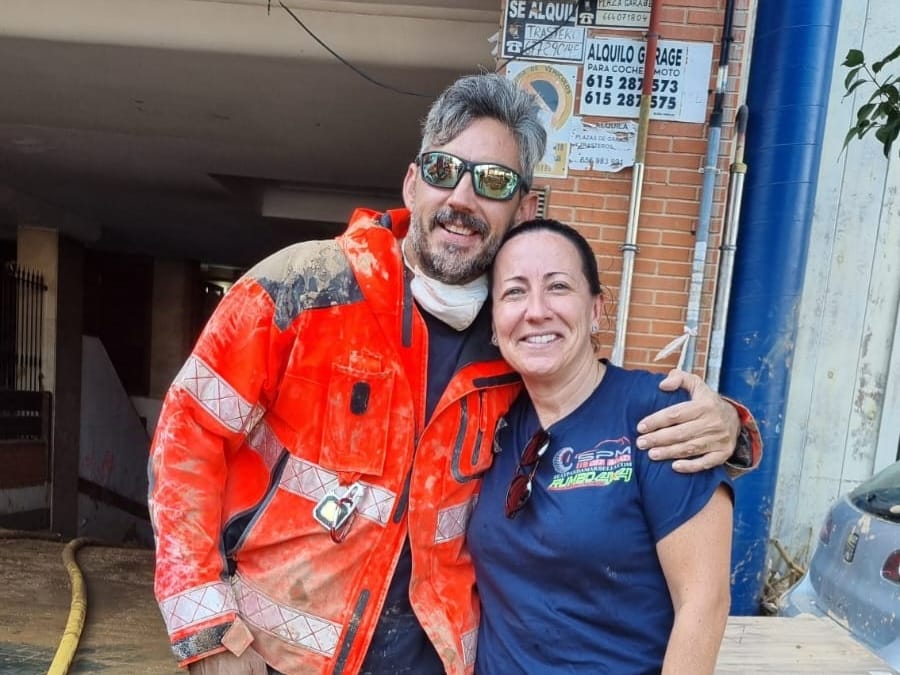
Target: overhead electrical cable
column 389, row 87
column 340, row 58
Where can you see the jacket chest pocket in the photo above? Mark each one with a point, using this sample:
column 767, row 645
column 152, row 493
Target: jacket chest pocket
column 472, row 448
column 357, row 418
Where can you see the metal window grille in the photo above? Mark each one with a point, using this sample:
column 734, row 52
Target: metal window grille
column 21, row 328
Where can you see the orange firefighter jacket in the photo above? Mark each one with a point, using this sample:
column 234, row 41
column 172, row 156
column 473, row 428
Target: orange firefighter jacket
column 308, row 379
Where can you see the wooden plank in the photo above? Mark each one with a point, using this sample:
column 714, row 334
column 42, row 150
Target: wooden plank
column 802, row 644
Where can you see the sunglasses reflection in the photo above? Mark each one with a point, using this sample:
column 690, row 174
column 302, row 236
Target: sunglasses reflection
column 489, row 180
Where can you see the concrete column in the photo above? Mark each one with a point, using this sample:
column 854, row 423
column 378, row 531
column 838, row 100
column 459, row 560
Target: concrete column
column 174, row 284
column 61, row 261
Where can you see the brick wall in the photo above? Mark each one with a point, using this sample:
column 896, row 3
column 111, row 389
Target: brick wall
column 597, row 203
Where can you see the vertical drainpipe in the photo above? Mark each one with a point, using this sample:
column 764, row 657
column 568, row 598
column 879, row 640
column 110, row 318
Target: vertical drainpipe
column 707, row 193
column 630, row 247
column 791, row 69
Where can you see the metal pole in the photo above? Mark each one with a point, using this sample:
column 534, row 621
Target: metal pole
column 629, row 248
column 7, row 329
column 20, row 328
column 32, row 312
column 710, row 173
column 728, row 248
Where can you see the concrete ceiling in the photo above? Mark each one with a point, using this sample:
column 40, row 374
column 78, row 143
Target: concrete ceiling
column 218, row 130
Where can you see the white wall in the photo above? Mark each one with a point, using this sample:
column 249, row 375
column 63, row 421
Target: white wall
column 845, row 349
column 114, row 450
column 15, row 501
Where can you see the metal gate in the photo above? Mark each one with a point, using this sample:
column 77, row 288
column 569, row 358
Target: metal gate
column 21, row 328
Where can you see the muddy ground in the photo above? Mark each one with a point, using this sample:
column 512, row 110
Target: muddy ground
column 124, row 632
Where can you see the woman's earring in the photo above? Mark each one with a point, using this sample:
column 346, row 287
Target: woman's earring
column 595, row 329
column 494, row 339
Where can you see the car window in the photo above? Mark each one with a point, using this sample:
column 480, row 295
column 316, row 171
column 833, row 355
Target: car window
column 880, row 495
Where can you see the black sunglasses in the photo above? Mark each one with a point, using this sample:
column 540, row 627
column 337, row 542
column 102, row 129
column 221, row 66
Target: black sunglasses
column 492, row 181
column 521, row 486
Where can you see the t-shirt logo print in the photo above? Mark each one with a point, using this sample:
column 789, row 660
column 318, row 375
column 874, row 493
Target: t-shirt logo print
column 607, row 462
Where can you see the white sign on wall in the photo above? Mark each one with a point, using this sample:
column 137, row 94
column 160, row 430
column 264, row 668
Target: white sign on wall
column 614, row 13
column 553, row 86
column 608, row 146
column 612, row 79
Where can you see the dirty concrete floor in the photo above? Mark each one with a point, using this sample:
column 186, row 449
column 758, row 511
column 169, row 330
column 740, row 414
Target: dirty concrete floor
column 124, row 632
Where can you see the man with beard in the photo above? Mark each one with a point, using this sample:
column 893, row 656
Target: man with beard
column 319, row 454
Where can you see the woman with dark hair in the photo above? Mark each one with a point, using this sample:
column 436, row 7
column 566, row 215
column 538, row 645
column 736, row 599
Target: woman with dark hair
column 589, row 556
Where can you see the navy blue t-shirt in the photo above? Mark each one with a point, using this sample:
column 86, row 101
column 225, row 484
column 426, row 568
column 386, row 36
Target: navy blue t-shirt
column 399, row 644
column 573, row 583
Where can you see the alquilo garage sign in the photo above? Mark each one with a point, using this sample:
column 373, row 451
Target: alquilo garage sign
column 613, row 78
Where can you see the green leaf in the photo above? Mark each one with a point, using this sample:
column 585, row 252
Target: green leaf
column 888, row 134
column 851, row 76
column 887, row 146
column 854, row 58
column 878, row 99
column 851, row 134
column 884, row 109
column 878, row 108
column 865, row 111
column 853, row 87
column 878, row 65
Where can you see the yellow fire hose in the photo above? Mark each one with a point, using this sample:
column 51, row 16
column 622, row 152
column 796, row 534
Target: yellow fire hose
column 68, row 645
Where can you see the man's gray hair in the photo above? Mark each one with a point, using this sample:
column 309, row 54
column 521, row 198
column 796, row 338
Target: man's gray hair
column 493, row 96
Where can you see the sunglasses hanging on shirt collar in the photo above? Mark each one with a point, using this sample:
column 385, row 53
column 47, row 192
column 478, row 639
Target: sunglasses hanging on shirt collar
column 520, row 488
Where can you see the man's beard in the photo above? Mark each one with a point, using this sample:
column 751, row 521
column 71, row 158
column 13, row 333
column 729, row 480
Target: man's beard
column 452, row 264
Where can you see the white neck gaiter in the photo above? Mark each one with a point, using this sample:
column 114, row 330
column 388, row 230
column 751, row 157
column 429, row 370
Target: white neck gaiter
column 456, row 305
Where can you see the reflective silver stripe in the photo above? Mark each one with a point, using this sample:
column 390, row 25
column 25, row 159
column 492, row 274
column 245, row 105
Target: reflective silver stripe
column 313, row 482
column 470, row 646
column 264, row 441
column 197, row 605
column 226, row 405
column 217, row 396
column 306, row 479
column 289, row 624
column 451, row 523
